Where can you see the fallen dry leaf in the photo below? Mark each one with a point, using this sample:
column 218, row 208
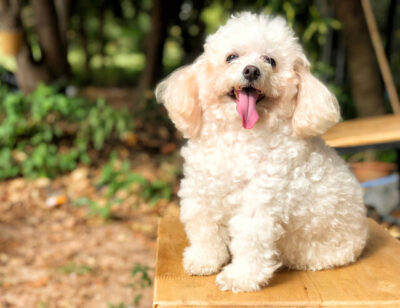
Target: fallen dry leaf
column 169, row 148
column 58, row 200
column 130, row 138
column 39, row 282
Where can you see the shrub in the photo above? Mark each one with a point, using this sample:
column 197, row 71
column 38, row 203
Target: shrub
column 46, row 133
column 116, row 178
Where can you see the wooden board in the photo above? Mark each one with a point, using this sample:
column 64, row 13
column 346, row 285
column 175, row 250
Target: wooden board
column 373, row 281
column 365, row 131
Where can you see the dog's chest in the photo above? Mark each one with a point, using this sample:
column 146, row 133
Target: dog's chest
column 233, row 159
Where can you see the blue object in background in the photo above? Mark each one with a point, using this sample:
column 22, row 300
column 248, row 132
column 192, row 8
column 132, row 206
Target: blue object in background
column 382, row 194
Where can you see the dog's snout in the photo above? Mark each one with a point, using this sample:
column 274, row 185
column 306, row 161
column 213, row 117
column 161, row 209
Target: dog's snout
column 251, row 72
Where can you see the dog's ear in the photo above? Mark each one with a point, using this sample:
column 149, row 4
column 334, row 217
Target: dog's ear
column 180, row 94
column 317, row 108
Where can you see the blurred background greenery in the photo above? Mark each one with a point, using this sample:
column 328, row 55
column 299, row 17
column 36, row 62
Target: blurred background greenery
column 74, row 51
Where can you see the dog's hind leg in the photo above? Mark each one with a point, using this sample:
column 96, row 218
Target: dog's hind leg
column 324, row 247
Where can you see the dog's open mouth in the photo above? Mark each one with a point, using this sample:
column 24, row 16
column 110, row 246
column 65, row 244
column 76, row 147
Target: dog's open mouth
column 246, row 100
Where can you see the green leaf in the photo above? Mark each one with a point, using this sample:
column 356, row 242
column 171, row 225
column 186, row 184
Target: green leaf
column 83, row 201
column 142, row 271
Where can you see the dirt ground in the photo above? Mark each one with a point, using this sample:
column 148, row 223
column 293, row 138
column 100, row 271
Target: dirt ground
column 56, row 255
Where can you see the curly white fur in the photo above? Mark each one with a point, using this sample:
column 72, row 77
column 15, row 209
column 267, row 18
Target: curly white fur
column 272, row 195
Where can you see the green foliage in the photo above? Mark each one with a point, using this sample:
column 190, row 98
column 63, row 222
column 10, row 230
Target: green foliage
column 326, row 72
column 319, row 26
column 120, row 305
column 42, row 304
column 121, row 178
column 143, row 272
column 388, row 156
column 96, row 208
column 156, row 190
column 136, row 299
column 135, row 302
column 307, row 20
column 214, row 15
column 46, row 133
column 73, row 268
column 114, row 32
column 117, row 176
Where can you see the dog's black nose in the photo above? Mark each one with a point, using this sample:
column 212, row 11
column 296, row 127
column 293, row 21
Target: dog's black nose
column 251, row 72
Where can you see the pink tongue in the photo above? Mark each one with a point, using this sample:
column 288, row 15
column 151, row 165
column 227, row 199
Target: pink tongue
column 246, row 106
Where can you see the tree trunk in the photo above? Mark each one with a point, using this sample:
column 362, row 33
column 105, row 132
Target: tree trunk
column 85, row 46
column 160, row 14
column 63, row 8
column 154, row 45
column 9, row 14
column 29, row 73
column 52, row 40
column 361, row 62
column 47, row 28
column 101, row 34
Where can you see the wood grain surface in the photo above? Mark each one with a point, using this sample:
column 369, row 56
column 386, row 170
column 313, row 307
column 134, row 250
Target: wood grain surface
column 364, row 131
column 373, row 281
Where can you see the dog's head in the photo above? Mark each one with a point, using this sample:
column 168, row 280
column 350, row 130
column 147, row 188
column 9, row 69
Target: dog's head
column 255, row 67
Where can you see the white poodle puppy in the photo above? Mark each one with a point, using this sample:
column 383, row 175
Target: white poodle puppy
column 260, row 188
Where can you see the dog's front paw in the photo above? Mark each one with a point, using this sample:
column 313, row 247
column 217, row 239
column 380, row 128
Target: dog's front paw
column 237, row 278
column 198, row 260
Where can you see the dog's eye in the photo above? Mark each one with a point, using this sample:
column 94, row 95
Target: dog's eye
column 270, row 61
column 231, row 57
